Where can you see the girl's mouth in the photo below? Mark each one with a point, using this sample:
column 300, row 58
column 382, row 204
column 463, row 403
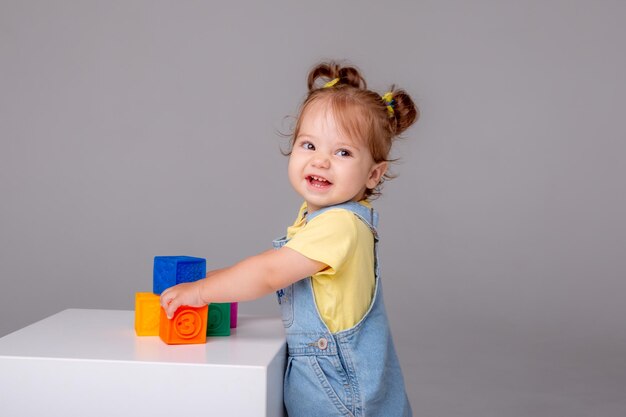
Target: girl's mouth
column 318, row 182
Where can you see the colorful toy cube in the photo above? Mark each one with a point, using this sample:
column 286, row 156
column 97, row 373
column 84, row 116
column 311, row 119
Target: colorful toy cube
column 233, row 315
column 188, row 326
column 218, row 323
column 171, row 270
column 147, row 312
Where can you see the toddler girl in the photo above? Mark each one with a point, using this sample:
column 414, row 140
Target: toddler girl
column 341, row 361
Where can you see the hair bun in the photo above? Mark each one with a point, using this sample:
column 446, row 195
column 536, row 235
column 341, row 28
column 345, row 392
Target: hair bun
column 328, row 71
column 405, row 111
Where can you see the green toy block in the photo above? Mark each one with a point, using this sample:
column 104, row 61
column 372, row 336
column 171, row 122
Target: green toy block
column 218, row 322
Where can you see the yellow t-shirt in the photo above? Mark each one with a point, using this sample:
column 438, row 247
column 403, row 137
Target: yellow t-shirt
column 339, row 239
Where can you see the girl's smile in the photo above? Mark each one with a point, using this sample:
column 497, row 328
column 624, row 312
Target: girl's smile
column 319, row 183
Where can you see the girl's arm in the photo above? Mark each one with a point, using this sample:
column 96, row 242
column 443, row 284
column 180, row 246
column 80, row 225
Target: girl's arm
column 247, row 280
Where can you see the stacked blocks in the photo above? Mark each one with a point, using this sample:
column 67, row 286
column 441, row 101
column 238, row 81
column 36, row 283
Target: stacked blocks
column 190, row 325
column 171, row 270
column 147, row 310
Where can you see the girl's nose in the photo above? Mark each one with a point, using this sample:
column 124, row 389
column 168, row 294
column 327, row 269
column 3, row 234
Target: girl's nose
column 320, row 161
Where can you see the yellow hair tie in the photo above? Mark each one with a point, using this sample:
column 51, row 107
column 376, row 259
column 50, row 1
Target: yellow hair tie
column 331, row 83
column 388, row 99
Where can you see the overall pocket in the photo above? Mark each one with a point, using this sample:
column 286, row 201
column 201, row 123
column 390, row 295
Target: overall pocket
column 285, row 300
column 314, row 386
column 334, row 381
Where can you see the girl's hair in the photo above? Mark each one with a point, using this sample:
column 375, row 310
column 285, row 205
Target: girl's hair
column 360, row 113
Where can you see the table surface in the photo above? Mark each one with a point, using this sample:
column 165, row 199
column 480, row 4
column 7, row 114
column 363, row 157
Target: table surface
column 109, row 335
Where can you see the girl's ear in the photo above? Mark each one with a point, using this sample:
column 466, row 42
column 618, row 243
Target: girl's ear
column 376, row 173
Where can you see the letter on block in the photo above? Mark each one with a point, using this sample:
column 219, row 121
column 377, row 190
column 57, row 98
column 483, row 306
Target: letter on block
column 218, row 320
column 171, row 270
column 188, row 326
column 147, row 306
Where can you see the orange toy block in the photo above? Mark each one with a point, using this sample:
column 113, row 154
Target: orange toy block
column 188, row 326
column 147, row 306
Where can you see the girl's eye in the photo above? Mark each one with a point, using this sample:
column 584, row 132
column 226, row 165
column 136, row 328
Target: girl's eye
column 307, row 145
column 343, row 152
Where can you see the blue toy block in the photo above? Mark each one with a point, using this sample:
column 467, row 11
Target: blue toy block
column 171, row 270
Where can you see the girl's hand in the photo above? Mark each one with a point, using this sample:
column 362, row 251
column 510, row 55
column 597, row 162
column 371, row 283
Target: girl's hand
column 186, row 294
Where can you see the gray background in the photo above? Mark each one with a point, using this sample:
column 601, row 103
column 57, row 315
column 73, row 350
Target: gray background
column 131, row 129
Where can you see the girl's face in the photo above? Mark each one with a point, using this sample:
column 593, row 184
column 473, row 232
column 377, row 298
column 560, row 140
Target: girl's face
column 325, row 166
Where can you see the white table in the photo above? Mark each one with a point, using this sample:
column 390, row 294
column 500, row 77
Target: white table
column 90, row 363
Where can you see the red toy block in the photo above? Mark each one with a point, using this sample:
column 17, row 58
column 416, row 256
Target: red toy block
column 147, row 306
column 188, row 326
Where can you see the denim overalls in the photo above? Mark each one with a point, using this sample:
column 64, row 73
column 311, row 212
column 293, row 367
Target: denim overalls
column 354, row 372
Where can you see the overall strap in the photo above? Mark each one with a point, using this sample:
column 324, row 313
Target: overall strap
column 368, row 215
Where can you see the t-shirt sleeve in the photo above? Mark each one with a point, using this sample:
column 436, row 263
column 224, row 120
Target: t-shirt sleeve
column 329, row 238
